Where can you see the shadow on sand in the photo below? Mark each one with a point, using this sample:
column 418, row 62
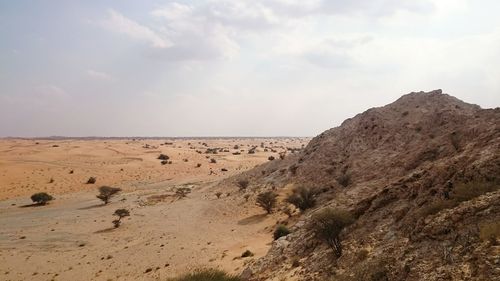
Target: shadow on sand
column 109, row 229
column 92, row 207
column 252, row 219
column 33, row 205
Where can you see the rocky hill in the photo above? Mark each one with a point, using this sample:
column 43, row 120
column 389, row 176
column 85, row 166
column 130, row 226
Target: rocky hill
column 421, row 178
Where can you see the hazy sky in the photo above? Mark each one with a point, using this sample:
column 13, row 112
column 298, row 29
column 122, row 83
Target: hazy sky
column 234, row 67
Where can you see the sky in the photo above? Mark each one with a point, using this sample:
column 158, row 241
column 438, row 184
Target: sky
column 234, row 67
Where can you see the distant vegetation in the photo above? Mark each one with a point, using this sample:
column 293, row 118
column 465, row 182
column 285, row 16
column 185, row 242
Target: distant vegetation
column 41, row 198
column 106, row 192
column 207, row 275
column 120, row 213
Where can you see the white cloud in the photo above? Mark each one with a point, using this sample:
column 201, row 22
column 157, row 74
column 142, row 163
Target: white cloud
column 121, row 24
column 98, row 75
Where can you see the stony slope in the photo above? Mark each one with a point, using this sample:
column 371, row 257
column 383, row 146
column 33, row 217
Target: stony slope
column 389, row 166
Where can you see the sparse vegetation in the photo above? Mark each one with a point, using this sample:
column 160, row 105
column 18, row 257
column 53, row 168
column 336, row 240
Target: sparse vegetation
column 106, row 192
column 163, row 157
column 213, row 161
column 467, row 191
column 328, row 223
column 91, row 180
column 280, row 231
column 344, row 180
column 41, row 198
column 218, row 194
column 270, row 158
column 246, row 196
column 242, row 184
column 120, row 213
column 490, row 232
column 303, row 198
column 267, row 200
column 207, row 275
column 182, row 192
column 247, row 254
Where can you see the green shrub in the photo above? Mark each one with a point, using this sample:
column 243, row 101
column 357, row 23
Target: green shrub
column 303, row 198
column 207, row 275
column 467, row 191
column 327, row 225
column 280, row 231
column 267, row 200
column 41, row 198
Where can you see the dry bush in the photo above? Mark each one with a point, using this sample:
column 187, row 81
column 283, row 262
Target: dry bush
column 213, row 161
column 41, row 198
column 243, row 184
column 247, row 254
column 91, row 180
column 218, row 194
column 163, row 157
column 106, row 192
column 207, row 275
column 467, row 191
column 303, row 198
column 270, row 158
column 490, row 232
column 267, row 200
column 436, row 207
column 328, row 223
column 344, row 180
column 280, row 231
column 246, row 196
column 182, row 192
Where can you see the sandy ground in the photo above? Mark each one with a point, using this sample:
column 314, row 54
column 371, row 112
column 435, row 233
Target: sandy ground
column 73, row 238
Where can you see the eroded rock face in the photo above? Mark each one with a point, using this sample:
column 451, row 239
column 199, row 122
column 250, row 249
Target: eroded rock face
column 391, row 167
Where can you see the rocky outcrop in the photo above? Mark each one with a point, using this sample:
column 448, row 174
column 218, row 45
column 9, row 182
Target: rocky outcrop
column 392, row 167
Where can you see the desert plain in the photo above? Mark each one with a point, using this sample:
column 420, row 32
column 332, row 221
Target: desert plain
column 73, row 238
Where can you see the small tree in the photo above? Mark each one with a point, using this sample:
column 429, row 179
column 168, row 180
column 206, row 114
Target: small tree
column 327, row 225
column 280, row 231
column 267, row 200
column 106, row 192
column 303, row 198
column 41, row 198
column 120, row 213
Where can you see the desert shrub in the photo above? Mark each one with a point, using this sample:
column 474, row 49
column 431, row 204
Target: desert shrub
column 303, row 198
column 242, row 184
column 282, row 155
column 246, row 196
column 344, row 180
column 213, row 161
column 247, row 254
column 207, row 275
column 218, row 194
column 328, row 223
column 163, row 157
column 41, row 198
column 490, row 232
column 267, row 200
column 182, row 192
column 106, row 192
column 288, row 211
column 280, row 231
column 436, row 207
column 163, row 162
column 467, row 191
column 51, row 180
column 270, row 158
column 91, row 180
column 293, row 169
column 198, row 165
column 120, row 213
